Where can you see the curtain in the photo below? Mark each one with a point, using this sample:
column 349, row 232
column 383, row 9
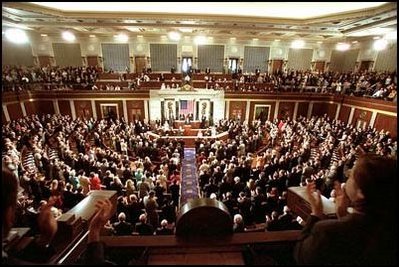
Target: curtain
column 163, row 56
column 16, row 54
column 299, row 59
column 67, row 54
column 343, row 61
column 386, row 59
column 256, row 57
column 115, row 56
column 211, row 56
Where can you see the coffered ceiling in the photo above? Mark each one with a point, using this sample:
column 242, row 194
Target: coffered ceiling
column 312, row 21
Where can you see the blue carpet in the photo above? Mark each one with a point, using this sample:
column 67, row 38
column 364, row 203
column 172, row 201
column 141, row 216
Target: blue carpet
column 189, row 181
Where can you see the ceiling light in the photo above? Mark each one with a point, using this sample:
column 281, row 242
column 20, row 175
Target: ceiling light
column 68, row 36
column 342, row 46
column 175, row 36
column 376, row 37
column 92, row 36
column 200, row 40
column 139, row 36
column 16, row 36
column 380, row 44
column 121, row 37
column 43, row 35
column 391, row 35
column 210, row 38
column 186, row 30
column 354, row 42
column 133, row 29
column 255, row 39
column 163, row 36
column 232, row 38
column 319, row 42
column 188, row 22
column 277, row 40
column 298, row 44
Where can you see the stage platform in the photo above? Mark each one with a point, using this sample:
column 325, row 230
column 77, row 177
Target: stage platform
column 189, row 136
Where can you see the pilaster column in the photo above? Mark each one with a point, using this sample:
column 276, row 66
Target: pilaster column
column 73, row 111
column 5, row 110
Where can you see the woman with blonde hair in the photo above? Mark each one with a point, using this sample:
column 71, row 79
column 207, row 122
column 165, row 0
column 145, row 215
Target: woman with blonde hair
column 129, row 187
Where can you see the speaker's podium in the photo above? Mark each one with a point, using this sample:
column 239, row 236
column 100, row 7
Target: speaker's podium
column 298, row 202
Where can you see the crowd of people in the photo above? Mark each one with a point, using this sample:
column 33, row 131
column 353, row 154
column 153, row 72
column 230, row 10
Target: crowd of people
column 299, row 152
column 379, row 85
column 249, row 172
column 93, row 155
column 19, row 78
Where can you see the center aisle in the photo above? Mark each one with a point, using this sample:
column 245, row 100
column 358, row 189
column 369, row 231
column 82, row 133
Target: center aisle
column 189, row 180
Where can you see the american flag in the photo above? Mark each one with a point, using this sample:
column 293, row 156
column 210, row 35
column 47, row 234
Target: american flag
column 186, row 107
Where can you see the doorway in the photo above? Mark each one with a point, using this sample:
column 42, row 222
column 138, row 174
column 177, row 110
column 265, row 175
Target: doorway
column 109, row 111
column 233, row 63
column 187, row 63
column 140, row 63
column 277, row 65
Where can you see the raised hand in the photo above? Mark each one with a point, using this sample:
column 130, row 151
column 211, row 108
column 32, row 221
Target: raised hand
column 47, row 223
column 104, row 212
column 314, row 197
column 342, row 201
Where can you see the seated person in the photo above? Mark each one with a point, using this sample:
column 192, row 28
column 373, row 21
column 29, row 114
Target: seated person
column 238, row 226
column 122, row 227
column 142, row 227
column 164, row 230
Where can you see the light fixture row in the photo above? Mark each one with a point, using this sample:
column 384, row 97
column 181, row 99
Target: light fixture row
column 19, row 36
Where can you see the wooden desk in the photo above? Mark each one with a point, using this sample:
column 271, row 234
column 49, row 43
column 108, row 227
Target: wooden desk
column 298, row 202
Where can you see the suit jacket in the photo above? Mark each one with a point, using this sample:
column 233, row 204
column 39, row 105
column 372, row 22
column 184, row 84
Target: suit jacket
column 353, row 239
column 123, row 228
column 144, row 228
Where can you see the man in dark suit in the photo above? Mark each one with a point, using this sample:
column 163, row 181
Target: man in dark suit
column 273, row 224
column 207, row 70
column 174, row 189
column 122, row 227
column 142, row 227
column 164, row 230
column 257, row 71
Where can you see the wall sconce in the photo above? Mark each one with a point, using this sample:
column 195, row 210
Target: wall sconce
column 178, row 59
column 131, row 60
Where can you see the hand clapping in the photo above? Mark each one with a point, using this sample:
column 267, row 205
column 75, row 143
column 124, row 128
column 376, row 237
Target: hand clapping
column 315, row 200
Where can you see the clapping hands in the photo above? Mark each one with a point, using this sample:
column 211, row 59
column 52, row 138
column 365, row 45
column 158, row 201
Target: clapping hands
column 314, row 197
column 104, row 212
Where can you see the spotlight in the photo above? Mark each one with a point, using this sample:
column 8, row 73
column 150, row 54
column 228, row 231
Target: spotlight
column 68, row 36
column 298, row 44
column 174, row 36
column 342, row 46
column 380, row 44
column 16, row 36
